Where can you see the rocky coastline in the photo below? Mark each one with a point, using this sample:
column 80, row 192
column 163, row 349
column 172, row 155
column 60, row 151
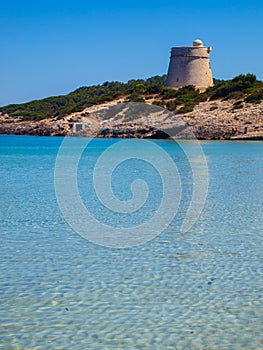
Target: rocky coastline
column 212, row 120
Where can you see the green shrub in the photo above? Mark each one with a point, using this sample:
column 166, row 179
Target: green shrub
column 172, row 105
column 136, row 98
column 158, row 103
column 238, row 105
column 140, row 88
column 235, row 95
column 187, row 98
column 155, row 84
column 189, row 89
column 203, row 97
column 186, row 109
column 255, row 97
column 245, row 78
column 239, row 83
column 168, row 93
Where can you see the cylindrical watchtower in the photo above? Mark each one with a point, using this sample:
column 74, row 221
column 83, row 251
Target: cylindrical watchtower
column 190, row 66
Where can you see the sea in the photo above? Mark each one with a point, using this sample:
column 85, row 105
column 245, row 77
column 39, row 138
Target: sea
column 163, row 276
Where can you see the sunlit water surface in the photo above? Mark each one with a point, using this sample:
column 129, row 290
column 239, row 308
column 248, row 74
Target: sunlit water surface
column 197, row 290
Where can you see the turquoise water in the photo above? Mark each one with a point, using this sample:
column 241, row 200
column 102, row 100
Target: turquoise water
column 197, row 290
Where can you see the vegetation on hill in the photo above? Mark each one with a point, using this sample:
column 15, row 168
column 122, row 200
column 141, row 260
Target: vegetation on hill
column 243, row 88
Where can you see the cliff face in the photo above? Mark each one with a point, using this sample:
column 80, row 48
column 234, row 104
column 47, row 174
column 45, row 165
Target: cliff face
column 46, row 127
column 209, row 120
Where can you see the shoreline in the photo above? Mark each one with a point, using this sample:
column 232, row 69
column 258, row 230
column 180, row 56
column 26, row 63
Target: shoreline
column 245, row 138
column 232, row 140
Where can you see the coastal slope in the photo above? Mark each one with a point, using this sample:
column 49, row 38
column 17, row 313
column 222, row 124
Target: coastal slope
column 145, row 109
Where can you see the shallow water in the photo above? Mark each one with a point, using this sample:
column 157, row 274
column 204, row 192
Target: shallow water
column 197, row 290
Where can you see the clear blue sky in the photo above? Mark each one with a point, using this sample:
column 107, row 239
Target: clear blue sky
column 53, row 47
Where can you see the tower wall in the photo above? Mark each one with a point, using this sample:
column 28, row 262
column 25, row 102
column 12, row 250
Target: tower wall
column 190, row 66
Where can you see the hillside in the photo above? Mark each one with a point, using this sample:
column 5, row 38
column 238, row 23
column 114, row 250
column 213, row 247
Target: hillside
column 229, row 109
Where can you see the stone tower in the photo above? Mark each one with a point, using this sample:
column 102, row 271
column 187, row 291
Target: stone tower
column 190, row 66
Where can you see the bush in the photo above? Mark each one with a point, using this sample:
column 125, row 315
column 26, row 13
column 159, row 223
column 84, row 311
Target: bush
column 187, row 90
column 203, row 97
column 155, row 84
column 168, row 93
column 245, row 78
column 185, row 109
column 172, row 105
column 255, row 97
column 235, row 95
column 159, row 103
column 140, row 88
column 238, row 105
column 136, row 98
column 239, row 83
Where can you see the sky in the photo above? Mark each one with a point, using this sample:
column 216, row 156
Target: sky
column 51, row 48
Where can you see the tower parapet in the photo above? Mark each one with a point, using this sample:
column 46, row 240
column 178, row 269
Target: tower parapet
column 190, row 65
